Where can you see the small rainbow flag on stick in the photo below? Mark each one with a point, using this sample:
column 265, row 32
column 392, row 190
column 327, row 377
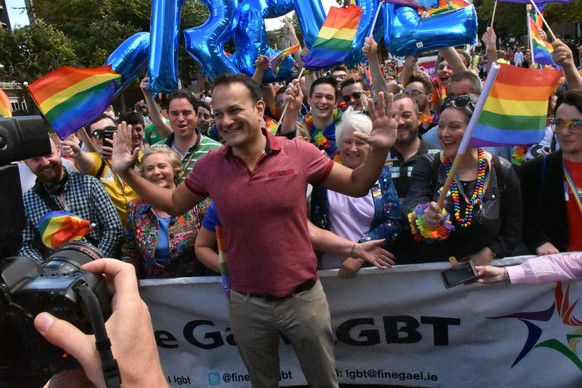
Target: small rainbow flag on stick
column 58, row 227
column 221, row 240
column 276, row 59
column 5, row 107
column 70, row 98
column 514, row 111
column 335, row 39
column 542, row 50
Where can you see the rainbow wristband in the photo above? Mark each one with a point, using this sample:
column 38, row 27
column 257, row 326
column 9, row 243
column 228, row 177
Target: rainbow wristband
column 429, row 235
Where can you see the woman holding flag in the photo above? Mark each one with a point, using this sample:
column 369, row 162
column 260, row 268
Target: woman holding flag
column 481, row 215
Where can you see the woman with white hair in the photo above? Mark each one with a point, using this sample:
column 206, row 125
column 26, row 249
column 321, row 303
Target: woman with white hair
column 374, row 216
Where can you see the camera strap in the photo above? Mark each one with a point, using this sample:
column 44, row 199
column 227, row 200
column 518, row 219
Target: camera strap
column 109, row 364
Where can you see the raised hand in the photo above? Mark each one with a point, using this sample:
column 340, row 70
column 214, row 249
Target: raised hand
column 123, row 156
column 384, row 123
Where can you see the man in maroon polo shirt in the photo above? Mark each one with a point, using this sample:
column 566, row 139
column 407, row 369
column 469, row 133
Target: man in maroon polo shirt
column 258, row 183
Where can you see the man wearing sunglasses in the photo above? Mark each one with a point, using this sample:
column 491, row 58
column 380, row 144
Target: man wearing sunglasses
column 98, row 164
column 354, row 93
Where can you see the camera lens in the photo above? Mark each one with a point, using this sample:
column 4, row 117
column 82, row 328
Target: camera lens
column 71, row 256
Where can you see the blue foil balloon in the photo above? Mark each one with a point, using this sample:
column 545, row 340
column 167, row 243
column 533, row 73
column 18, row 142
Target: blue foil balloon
column 369, row 8
column 311, row 16
column 163, row 60
column 130, row 59
column 250, row 37
column 406, row 33
column 205, row 43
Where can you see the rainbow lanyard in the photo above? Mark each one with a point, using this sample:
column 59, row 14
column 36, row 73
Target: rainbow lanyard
column 572, row 186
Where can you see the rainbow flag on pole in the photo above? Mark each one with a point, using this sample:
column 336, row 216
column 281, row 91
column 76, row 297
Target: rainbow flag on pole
column 58, row 227
column 542, row 50
column 335, row 39
column 70, row 98
column 5, row 107
column 516, row 108
column 276, row 59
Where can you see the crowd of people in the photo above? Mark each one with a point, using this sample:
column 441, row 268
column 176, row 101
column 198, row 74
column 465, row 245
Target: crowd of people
column 324, row 172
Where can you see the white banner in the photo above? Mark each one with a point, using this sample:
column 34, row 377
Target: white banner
column 398, row 326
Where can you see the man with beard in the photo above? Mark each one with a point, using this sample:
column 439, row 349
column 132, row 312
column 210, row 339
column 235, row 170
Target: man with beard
column 408, row 146
column 98, row 164
column 57, row 189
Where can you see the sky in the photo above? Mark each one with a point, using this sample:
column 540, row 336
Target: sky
column 19, row 18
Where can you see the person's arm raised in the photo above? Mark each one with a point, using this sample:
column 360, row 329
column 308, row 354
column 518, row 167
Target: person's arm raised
column 357, row 182
column 153, row 109
column 123, row 159
column 562, row 55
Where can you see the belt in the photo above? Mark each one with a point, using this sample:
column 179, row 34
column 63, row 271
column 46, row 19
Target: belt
column 306, row 285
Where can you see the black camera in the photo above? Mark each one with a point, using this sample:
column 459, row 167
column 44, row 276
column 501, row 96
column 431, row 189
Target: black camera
column 57, row 286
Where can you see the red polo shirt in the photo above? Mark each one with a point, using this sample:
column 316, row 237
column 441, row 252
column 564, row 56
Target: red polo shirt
column 264, row 212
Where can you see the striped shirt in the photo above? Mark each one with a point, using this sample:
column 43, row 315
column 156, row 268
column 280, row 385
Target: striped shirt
column 200, row 148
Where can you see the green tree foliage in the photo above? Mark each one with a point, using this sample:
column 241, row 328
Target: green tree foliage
column 33, row 51
column 90, row 30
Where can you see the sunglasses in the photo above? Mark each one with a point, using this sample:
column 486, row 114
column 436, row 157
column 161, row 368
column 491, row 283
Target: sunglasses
column 559, row 126
column 355, row 95
column 461, row 102
column 100, row 133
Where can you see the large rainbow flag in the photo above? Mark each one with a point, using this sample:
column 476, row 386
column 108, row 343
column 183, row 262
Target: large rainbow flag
column 5, row 107
column 334, row 41
column 70, row 98
column 516, row 108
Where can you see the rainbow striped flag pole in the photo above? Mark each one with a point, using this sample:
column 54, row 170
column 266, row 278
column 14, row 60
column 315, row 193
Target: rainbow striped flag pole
column 511, row 110
column 221, row 240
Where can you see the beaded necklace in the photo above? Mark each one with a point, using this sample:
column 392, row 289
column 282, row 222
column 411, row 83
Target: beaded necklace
column 457, row 189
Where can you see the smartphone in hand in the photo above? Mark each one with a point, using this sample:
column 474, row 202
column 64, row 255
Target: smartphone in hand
column 459, row 274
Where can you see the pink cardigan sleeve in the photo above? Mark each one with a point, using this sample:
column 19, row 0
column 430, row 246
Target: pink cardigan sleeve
column 547, row 268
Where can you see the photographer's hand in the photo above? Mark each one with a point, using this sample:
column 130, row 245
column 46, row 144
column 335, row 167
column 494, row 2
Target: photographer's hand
column 129, row 328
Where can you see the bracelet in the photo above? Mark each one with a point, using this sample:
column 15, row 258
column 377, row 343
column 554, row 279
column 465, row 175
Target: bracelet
column 352, row 251
column 506, row 278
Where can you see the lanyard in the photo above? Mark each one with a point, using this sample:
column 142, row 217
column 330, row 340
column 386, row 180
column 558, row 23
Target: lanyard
column 572, row 186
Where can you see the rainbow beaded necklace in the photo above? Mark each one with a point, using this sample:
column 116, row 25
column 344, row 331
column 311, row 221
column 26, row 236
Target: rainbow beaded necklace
column 457, row 189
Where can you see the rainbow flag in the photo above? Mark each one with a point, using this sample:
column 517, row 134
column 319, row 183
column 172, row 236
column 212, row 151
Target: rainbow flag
column 223, row 261
column 70, row 98
column 335, row 39
column 5, row 107
column 446, row 6
column 542, row 50
column 516, row 108
column 276, row 59
column 58, row 227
